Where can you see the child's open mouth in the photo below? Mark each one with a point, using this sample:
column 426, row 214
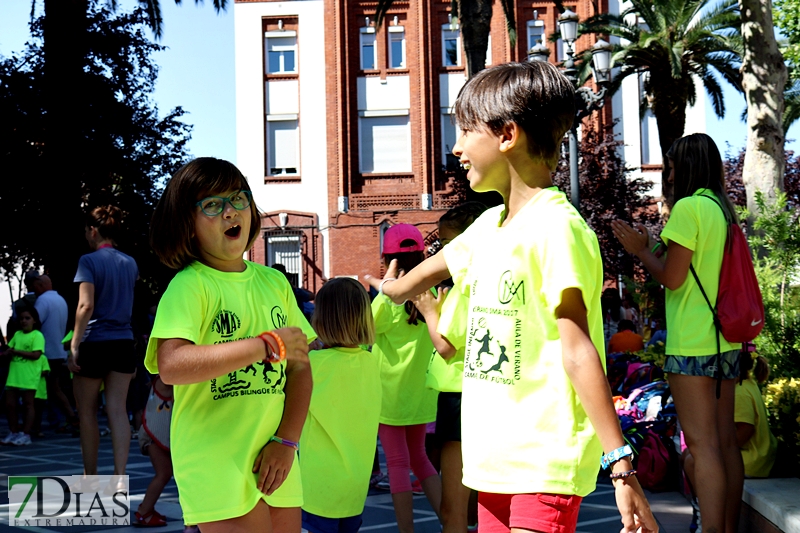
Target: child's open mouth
column 233, row 231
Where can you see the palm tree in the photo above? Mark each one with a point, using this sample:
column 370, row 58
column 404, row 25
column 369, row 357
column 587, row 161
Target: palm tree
column 673, row 42
column 474, row 17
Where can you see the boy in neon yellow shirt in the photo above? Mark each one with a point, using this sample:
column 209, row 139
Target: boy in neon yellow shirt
column 537, row 410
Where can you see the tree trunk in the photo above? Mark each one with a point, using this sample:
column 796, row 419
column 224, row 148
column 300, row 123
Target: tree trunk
column 764, row 80
column 475, row 18
column 669, row 100
column 65, row 36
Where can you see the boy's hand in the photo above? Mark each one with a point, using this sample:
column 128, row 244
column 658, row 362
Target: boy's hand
column 635, row 241
column 633, row 506
column 273, row 464
column 296, row 343
column 427, row 303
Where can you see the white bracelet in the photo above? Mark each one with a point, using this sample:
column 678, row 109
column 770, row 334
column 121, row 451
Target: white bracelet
column 380, row 291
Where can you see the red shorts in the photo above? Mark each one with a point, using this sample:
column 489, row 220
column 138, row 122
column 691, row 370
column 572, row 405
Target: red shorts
column 547, row 513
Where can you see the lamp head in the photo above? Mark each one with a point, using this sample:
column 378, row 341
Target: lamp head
column 568, row 26
column 601, row 61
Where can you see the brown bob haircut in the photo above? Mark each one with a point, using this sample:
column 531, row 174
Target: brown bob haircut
column 343, row 315
column 534, row 95
column 172, row 230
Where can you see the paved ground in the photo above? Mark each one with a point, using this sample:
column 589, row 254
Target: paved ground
column 60, row 455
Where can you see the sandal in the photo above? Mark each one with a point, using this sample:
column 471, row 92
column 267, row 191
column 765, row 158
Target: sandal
column 151, row 519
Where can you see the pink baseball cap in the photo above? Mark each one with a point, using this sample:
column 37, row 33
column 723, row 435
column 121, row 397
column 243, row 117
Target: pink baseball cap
column 402, row 238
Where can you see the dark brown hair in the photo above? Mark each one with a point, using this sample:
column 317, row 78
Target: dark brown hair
column 698, row 165
column 342, row 314
column 107, row 219
column 406, row 261
column 758, row 365
column 172, row 229
column 535, row 95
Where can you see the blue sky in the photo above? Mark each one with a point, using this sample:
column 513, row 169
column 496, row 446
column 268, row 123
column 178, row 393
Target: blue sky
column 197, row 72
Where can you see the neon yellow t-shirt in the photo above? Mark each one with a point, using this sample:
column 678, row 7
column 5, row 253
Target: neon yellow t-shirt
column 445, row 375
column 759, row 452
column 699, row 225
column 524, row 429
column 405, row 351
column 338, row 442
column 219, row 426
column 24, row 373
column 41, row 389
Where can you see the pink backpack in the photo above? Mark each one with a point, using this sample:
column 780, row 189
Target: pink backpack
column 653, row 468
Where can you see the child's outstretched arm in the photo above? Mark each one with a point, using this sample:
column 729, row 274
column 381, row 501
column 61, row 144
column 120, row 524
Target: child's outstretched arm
column 582, row 365
column 430, row 307
column 181, row 362
column 407, row 285
column 275, row 459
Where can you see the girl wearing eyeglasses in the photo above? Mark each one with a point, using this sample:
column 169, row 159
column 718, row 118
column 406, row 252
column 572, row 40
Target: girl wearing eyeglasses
column 229, row 336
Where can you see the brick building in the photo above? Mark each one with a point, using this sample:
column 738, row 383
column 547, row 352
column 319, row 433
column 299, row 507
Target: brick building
column 345, row 129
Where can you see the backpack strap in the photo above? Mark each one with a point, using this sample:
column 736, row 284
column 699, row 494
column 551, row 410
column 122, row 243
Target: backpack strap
column 716, row 326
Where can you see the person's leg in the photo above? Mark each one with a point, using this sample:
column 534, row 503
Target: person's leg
column 86, row 391
column 285, row 519
column 258, row 520
column 422, row 467
column 398, row 463
column 116, row 394
column 455, row 496
column 697, row 407
column 11, row 410
column 28, row 409
column 162, row 464
column 731, row 455
column 54, row 392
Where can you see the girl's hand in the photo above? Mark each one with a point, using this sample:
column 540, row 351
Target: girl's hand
column 273, row 464
column 72, row 361
column 635, row 241
column 633, row 507
column 296, row 344
column 384, row 285
column 427, row 303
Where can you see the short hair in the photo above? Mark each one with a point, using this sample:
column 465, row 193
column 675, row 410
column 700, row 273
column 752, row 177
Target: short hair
column 342, row 314
column 107, row 219
column 535, row 95
column 172, row 229
column 626, row 325
column 460, row 217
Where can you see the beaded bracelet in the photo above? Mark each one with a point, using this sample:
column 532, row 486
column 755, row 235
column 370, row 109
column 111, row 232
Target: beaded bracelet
column 285, row 442
column 380, row 291
column 623, row 475
column 273, row 357
column 656, row 247
column 615, row 455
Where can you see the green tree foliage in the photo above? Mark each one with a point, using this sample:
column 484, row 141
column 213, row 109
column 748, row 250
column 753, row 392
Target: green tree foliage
column 608, row 193
column 129, row 148
column 670, row 43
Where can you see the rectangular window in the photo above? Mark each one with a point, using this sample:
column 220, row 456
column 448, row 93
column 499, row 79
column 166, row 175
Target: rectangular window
column 535, row 33
column 281, row 52
column 397, row 47
column 451, row 46
column 385, row 144
column 285, row 248
column 282, row 147
column 449, row 138
column 369, row 52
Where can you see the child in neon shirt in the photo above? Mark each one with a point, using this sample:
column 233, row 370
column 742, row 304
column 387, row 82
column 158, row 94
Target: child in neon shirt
column 445, row 373
column 239, row 407
column 24, row 372
column 404, row 347
column 537, row 410
column 339, row 434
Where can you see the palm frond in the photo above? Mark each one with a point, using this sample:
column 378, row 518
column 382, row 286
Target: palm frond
column 715, row 93
column 381, row 10
column 511, row 24
column 154, row 19
column 791, row 99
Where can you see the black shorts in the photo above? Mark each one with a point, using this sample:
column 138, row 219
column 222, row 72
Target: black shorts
column 448, row 417
column 97, row 359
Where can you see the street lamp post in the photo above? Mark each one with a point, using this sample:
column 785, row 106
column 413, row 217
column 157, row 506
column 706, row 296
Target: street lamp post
column 586, row 100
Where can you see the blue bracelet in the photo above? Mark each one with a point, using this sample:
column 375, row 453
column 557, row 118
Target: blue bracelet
column 615, row 455
column 285, row 442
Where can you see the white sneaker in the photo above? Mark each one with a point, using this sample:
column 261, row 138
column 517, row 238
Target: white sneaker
column 23, row 439
column 9, row 438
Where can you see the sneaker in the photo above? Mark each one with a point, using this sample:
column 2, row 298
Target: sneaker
column 695, row 526
column 416, row 488
column 22, row 439
column 104, row 431
column 379, row 481
column 9, row 438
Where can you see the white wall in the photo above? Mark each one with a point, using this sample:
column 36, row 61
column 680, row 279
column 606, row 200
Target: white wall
column 311, row 194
